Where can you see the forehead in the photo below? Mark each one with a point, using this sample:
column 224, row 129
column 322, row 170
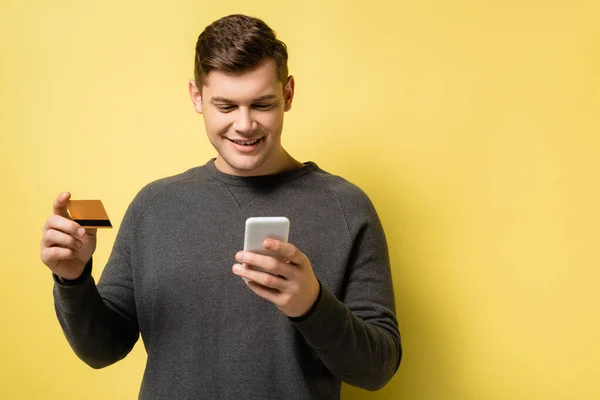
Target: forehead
column 243, row 86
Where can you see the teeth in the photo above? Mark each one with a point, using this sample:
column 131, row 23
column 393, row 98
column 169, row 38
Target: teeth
column 248, row 143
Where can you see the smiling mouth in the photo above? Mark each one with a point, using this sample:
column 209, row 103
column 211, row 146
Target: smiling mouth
column 245, row 142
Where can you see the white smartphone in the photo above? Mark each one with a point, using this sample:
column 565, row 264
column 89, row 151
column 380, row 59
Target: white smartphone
column 260, row 228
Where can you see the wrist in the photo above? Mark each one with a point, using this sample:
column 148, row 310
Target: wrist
column 85, row 274
column 311, row 309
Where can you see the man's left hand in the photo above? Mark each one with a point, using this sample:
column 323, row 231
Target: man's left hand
column 290, row 284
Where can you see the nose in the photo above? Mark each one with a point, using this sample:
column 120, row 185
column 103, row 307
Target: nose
column 244, row 122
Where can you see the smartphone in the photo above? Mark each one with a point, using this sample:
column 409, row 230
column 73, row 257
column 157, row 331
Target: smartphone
column 260, row 228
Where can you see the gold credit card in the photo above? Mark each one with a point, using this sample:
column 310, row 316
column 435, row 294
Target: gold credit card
column 88, row 213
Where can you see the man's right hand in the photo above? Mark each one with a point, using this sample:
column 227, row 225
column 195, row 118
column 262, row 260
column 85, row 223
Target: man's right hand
column 66, row 246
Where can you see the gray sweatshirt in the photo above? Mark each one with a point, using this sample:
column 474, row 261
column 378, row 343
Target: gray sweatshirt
column 207, row 335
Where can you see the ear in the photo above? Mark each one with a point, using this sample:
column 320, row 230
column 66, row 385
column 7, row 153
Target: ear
column 288, row 93
column 196, row 96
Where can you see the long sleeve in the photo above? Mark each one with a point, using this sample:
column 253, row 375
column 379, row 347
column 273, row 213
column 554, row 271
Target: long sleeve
column 357, row 335
column 100, row 323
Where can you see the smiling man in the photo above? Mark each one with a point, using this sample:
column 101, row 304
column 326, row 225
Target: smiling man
column 243, row 113
column 298, row 324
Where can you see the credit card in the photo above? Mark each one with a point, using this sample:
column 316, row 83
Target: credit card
column 88, row 213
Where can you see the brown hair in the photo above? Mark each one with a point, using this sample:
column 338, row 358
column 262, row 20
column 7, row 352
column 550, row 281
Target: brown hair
column 238, row 43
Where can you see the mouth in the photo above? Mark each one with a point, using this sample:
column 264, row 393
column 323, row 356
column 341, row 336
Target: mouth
column 246, row 146
column 245, row 142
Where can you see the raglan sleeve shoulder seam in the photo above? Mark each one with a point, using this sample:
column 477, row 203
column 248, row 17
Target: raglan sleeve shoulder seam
column 148, row 194
column 351, row 199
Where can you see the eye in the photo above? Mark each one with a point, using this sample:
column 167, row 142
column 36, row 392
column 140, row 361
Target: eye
column 262, row 107
column 224, row 108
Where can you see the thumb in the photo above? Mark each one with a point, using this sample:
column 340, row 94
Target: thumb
column 60, row 204
column 91, row 231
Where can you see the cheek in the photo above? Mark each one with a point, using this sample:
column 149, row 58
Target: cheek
column 271, row 122
column 216, row 122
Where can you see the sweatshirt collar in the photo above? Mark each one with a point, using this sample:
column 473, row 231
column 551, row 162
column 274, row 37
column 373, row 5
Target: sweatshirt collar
column 261, row 180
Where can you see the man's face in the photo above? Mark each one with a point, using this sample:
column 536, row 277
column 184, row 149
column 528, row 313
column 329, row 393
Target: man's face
column 243, row 115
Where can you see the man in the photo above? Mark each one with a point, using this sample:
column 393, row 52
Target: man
column 294, row 329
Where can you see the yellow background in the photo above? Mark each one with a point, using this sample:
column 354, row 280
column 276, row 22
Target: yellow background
column 473, row 126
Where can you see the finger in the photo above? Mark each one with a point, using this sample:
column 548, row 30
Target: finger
column 270, row 294
column 60, row 204
column 287, row 250
column 52, row 237
column 51, row 254
column 267, row 263
column 91, row 231
column 65, row 225
column 261, row 277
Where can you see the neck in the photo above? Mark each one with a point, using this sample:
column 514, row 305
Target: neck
column 289, row 163
column 283, row 162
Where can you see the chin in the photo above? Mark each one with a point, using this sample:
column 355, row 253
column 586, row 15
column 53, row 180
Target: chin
column 244, row 166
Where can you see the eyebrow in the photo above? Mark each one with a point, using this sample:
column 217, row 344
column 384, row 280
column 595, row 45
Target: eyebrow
column 218, row 99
